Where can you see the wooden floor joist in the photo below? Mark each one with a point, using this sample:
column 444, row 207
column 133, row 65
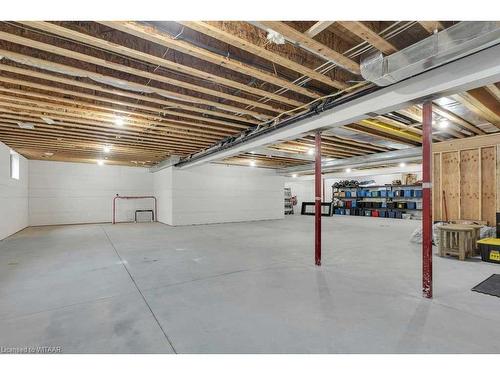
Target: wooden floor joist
column 214, row 32
column 153, row 35
column 312, row 45
column 158, row 61
column 140, row 73
column 182, row 95
column 368, row 35
column 50, row 107
column 317, row 28
column 166, row 108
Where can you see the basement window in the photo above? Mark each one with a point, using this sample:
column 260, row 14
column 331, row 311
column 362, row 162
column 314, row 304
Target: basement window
column 14, row 165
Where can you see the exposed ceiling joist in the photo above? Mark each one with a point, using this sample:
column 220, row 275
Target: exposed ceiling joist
column 317, row 28
column 166, row 106
column 140, row 73
column 154, row 35
column 431, row 26
column 311, row 45
column 368, row 35
column 481, row 102
column 215, row 32
column 443, row 112
column 157, row 61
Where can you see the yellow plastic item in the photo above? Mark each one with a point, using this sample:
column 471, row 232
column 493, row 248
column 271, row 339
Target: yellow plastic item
column 490, row 241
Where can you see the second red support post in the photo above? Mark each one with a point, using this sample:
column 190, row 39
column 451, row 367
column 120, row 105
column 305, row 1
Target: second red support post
column 426, row 200
column 317, row 197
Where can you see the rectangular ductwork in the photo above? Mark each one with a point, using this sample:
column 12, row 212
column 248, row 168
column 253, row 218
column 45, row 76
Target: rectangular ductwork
column 460, row 40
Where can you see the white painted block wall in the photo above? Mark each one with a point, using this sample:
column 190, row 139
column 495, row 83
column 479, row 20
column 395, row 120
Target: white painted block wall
column 71, row 193
column 216, row 193
column 13, row 195
column 162, row 181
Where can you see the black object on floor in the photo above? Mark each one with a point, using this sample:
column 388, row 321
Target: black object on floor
column 489, row 286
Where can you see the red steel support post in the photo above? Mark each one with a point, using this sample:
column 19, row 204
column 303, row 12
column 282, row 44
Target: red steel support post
column 317, row 200
column 426, row 200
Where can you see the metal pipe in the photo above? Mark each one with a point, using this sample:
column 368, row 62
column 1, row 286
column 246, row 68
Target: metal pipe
column 426, row 200
column 133, row 197
column 317, row 200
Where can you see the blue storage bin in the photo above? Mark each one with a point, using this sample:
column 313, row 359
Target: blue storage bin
column 348, row 194
column 342, row 211
column 337, row 211
column 354, row 204
column 408, row 193
column 390, row 194
column 383, row 193
column 392, row 214
column 399, row 215
column 375, row 194
column 411, row 205
column 418, row 193
column 384, row 205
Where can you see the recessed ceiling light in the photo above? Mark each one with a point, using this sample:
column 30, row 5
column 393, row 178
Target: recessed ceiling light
column 48, row 153
column 119, row 121
column 100, row 162
column 252, row 163
column 107, row 149
column 402, row 165
column 252, row 152
column 310, row 151
column 294, row 175
column 443, row 125
column 348, row 170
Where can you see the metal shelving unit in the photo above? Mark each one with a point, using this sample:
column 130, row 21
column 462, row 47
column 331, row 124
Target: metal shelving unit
column 387, row 199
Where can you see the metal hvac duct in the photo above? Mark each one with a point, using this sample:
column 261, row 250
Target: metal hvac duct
column 460, row 40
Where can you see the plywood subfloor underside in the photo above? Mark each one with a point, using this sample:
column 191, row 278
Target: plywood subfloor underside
column 243, row 287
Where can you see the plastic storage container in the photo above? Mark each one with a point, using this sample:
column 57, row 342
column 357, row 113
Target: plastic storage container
column 490, row 249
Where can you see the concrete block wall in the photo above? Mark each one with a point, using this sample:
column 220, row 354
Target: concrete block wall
column 51, row 193
column 13, row 195
column 217, row 193
column 162, row 181
column 71, row 193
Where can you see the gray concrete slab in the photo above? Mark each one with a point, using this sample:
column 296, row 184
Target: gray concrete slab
column 240, row 288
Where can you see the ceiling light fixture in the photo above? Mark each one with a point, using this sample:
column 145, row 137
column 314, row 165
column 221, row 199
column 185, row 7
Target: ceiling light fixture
column 294, row 175
column 310, row 151
column 348, row 170
column 48, row 120
column 252, row 163
column 119, row 121
column 443, row 125
column 48, row 153
column 107, row 149
column 26, row 125
column 100, row 162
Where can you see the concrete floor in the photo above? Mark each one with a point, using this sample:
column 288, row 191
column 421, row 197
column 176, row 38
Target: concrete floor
column 239, row 288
